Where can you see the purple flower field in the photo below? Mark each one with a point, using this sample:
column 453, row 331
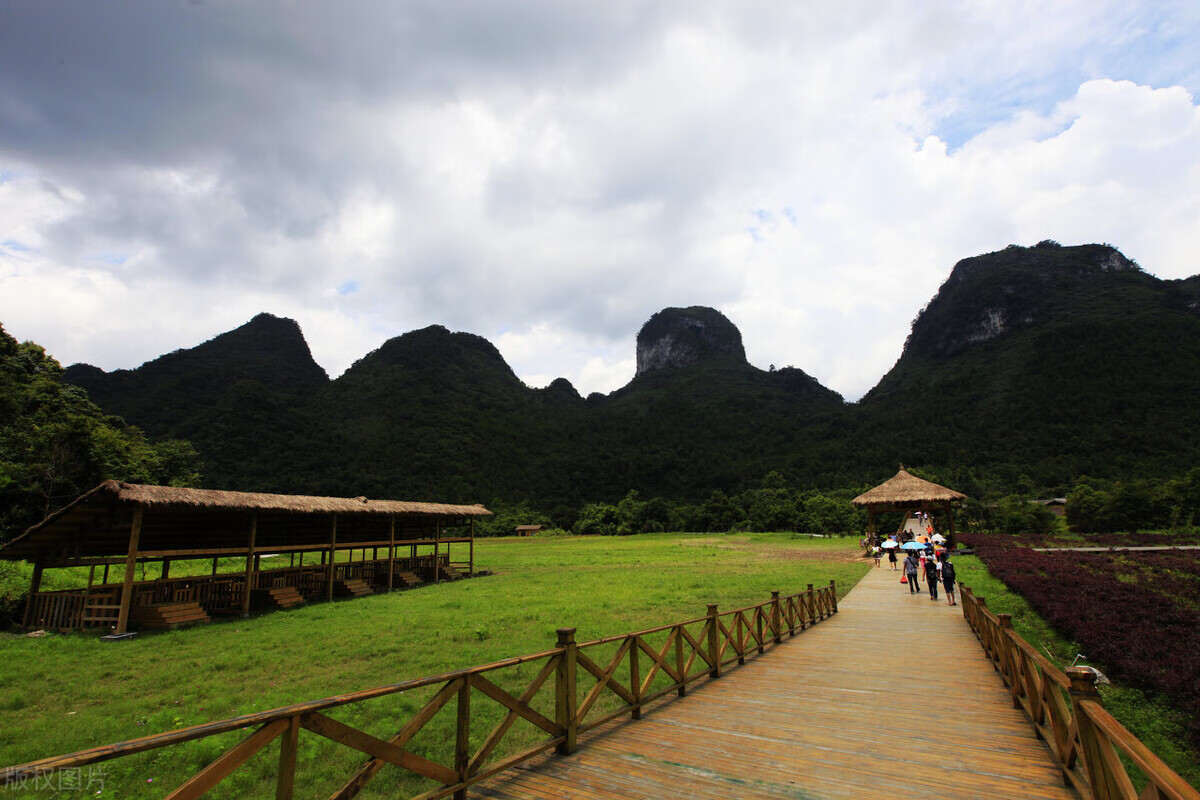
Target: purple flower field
column 1137, row 613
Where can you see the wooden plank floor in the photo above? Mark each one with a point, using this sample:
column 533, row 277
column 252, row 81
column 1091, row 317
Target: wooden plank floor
column 892, row 697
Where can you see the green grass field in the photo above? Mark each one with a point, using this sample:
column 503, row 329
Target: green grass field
column 70, row 692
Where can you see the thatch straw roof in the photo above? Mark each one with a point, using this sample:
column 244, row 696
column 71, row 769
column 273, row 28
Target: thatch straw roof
column 905, row 488
column 97, row 523
column 170, row 496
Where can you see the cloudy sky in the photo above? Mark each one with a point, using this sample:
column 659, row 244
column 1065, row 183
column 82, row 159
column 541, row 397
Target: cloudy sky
column 550, row 174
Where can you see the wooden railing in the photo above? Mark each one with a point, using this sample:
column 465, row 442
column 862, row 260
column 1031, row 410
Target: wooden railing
column 1093, row 750
column 630, row 671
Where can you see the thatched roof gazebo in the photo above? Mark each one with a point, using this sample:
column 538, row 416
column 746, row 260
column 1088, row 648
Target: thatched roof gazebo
column 906, row 492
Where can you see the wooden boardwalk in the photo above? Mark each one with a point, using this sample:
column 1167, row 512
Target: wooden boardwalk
column 893, row 697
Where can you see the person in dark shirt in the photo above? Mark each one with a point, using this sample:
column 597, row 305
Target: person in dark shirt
column 948, row 578
column 931, row 577
column 910, row 572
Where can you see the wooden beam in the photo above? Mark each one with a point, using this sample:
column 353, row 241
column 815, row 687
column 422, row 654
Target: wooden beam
column 34, row 585
column 329, row 566
column 250, row 558
column 135, row 535
column 391, row 551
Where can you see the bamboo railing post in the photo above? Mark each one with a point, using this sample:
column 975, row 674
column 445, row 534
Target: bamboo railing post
column 714, row 641
column 812, row 604
column 1083, row 688
column 564, row 692
column 833, row 595
column 776, row 618
column 285, row 780
column 635, row 678
column 758, row 627
column 739, row 644
column 462, row 739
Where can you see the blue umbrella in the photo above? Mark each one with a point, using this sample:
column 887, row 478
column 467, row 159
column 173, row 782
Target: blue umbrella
column 912, row 546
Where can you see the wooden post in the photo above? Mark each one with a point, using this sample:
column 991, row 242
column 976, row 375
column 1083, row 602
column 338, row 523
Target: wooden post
column 953, row 543
column 776, row 618
column 462, row 739
column 812, row 605
column 1083, row 689
column 833, row 595
column 714, row 641
column 34, row 585
column 214, row 572
column 391, row 550
column 437, row 545
column 166, row 570
column 680, row 664
column 329, row 566
column 249, row 565
column 635, row 679
column 135, row 535
column 87, row 594
column 288, row 748
column 1010, row 665
column 471, row 549
column 739, row 646
column 564, row 692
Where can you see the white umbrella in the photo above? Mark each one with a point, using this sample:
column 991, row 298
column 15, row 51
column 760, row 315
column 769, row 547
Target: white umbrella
column 937, row 537
column 890, row 543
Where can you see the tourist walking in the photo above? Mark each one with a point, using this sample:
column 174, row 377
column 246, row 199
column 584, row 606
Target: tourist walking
column 892, row 553
column 931, row 577
column 910, row 572
column 876, row 553
column 948, row 578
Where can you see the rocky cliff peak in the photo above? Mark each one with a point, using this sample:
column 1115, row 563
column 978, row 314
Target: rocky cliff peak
column 676, row 337
column 992, row 295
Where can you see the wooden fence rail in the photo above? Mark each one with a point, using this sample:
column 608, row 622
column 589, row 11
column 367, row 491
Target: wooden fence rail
column 683, row 652
column 1065, row 710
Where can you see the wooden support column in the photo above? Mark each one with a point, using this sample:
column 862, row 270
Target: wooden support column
column 471, row 554
column 437, row 545
column 564, row 692
column 135, row 535
column 166, row 570
column 34, row 585
column 391, row 551
column 329, row 565
column 250, row 564
column 953, row 543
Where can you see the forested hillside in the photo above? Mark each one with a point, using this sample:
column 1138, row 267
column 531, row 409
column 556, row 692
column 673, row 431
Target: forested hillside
column 1031, row 369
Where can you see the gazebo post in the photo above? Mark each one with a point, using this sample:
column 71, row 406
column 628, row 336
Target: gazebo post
column 135, row 535
column 950, row 526
column 250, row 559
column 472, row 551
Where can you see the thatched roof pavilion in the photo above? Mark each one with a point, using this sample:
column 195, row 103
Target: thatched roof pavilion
column 906, row 492
column 123, row 524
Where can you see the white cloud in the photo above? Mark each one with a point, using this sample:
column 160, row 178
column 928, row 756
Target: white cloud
column 560, row 173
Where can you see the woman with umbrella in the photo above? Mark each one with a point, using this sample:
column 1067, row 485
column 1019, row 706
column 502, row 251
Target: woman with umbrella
column 891, row 545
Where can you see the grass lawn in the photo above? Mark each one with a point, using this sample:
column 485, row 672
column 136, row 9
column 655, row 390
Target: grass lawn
column 1149, row 718
column 69, row 692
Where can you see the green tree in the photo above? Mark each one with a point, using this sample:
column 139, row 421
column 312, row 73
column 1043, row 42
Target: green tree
column 56, row 444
